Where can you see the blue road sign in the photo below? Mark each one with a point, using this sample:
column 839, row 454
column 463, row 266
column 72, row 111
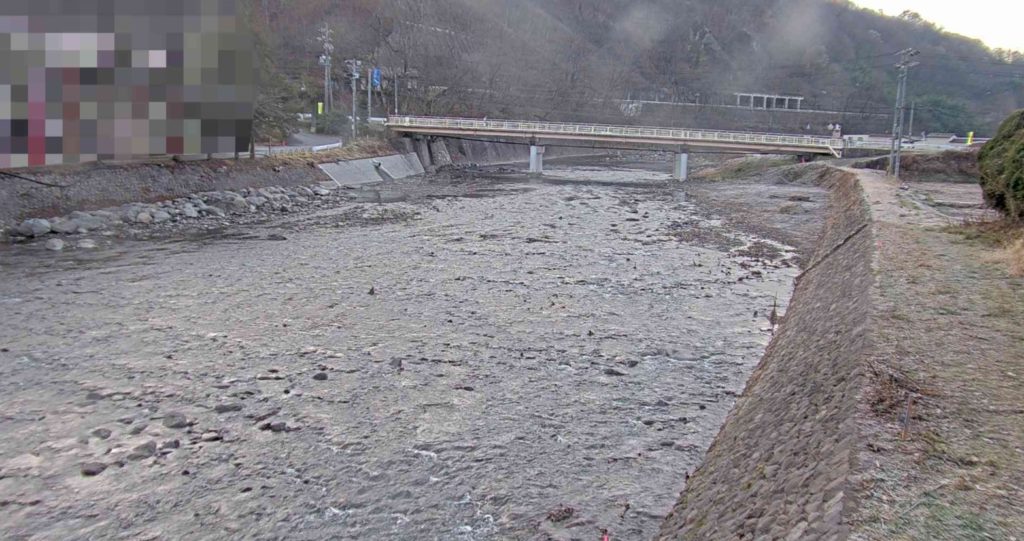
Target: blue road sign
column 376, row 78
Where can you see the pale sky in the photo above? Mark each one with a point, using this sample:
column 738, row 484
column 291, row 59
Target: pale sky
column 996, row 22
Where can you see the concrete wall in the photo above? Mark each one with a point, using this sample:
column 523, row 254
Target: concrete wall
column 781, row 466
column 394, row 167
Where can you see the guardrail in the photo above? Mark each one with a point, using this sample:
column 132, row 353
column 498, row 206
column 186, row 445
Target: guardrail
column 669, row 135
column 886, row 145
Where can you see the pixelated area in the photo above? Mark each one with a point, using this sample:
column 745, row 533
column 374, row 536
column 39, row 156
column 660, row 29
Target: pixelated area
column 122, row 79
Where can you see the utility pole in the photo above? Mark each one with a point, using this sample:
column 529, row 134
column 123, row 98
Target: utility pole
column 396, row 92
column 369, row 94
column 913, row 107
column 354, row 67
column 899, row 116
column 325, row 61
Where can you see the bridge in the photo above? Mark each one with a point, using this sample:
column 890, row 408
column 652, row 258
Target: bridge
column 681, row 140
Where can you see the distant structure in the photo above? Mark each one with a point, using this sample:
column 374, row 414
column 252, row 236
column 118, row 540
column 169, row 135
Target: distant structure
column 769, row 101
column 122, row 79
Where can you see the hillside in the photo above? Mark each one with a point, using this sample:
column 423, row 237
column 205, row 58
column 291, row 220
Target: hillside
column 559, row 58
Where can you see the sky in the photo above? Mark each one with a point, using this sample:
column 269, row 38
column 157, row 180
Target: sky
column 995, row 22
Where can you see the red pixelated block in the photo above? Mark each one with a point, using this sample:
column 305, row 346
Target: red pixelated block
column 176, row 145
column 36, row 150
column 70, row 76
column 36, row 133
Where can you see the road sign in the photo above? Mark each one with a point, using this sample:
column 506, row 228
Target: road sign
column 376, row 78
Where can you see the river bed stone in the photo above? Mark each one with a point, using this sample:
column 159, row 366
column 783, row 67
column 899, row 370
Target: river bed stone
column 470, row 396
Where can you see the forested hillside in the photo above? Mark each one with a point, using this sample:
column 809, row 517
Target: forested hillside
column 556, row 58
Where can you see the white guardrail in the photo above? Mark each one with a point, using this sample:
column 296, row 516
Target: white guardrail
column 833, row 146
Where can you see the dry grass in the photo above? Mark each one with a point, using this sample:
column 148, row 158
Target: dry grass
column 951, row 166
column 745, row 167
column 360, row 148
column 1013, row 257
column 1006, row 237
column 951, row 469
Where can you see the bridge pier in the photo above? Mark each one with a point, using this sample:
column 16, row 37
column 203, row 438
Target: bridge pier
column 423, row 151
column 681, row 166
column 536, row 160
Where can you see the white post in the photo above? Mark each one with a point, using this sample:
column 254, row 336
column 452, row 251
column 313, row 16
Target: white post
column 536, row 160
column 681, row 169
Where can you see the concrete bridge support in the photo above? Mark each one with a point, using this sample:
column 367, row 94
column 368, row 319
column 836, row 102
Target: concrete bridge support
column 681, row 168
column 536, row 160
column 423, row 151
column 439, row 155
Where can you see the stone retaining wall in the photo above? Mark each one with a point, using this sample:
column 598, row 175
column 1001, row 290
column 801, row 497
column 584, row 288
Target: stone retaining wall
column 781, row 466
column 97, row 186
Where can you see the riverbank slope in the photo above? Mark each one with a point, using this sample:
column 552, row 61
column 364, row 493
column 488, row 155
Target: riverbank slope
column 887, row 406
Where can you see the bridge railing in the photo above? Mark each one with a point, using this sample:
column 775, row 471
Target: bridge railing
column 639, row 132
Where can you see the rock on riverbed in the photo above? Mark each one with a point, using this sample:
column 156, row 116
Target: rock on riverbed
column 195, row 207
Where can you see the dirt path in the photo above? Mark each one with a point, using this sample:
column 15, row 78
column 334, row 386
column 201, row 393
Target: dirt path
column 949, row 336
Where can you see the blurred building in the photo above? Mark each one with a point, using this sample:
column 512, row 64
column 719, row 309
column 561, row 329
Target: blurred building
column 119, row 79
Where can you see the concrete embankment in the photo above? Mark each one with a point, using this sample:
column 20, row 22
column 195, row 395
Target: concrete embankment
column 782, row 464
column 90, row 187
column 393, row 167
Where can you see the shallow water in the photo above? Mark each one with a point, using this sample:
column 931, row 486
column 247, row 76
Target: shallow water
column 544, row 358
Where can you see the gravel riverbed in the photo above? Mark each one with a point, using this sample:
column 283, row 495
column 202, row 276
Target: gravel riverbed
column 482, row 357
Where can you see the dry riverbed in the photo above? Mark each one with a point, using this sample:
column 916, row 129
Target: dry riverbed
column 477, row 357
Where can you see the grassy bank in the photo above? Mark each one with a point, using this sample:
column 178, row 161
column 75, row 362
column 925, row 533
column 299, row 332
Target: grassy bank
column 1004, row 239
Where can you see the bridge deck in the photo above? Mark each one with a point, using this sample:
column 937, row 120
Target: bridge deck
column 552, row 132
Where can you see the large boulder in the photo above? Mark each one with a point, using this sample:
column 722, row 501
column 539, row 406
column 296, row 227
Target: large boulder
column 1002, row 168
column 36, row 227
column 65, row 227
